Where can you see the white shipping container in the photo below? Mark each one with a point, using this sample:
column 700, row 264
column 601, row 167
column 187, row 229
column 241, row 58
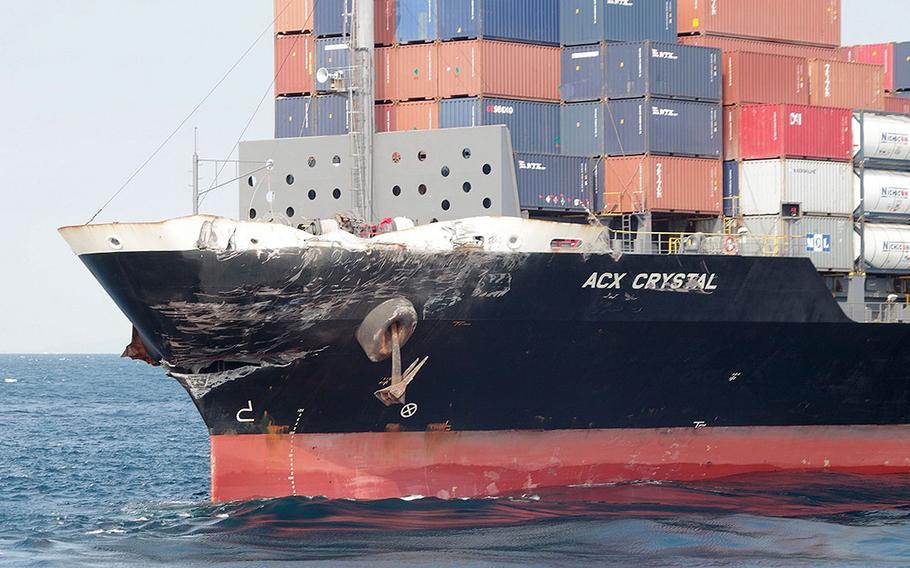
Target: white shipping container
column 881, row 136
column 886, row 193
column 819, row 187
column 887, row 247
column 827, row 241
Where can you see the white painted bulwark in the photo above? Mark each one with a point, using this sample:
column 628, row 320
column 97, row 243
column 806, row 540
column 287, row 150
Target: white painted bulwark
column 827, row 241
column 886, row 193
column 819, row 187
column 887, row 247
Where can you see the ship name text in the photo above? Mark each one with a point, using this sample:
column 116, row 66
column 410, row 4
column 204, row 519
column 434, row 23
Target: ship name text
column 652, row 281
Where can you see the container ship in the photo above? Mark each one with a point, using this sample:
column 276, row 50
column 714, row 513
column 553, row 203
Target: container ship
column 495, row 250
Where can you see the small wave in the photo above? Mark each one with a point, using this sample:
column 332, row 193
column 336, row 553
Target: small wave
column 10, row 380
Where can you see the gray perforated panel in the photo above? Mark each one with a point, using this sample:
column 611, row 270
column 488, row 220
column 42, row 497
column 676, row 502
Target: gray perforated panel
column 321, row 170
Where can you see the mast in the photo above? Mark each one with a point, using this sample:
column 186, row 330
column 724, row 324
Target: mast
column 361, row 97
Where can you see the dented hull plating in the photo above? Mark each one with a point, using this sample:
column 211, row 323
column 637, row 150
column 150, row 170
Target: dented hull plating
column 522, row 349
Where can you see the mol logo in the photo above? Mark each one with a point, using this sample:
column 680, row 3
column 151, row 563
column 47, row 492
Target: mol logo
column 663, row 54
column 796, row 119
column 657, row 111
column 627, row 3
column 523, row 165
column 500, row 109
column 895, row 138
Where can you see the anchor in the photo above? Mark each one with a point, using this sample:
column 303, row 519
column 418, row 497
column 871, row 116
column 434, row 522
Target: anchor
column 381, row 335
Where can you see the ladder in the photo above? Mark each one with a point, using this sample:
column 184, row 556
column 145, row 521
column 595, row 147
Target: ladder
column 359, row 112
column 627, row 237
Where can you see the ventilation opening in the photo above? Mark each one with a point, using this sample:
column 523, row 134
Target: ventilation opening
column 251, row 181
column 444, row 171
column 311, row 194
column 487, row 203
column 396, row 157
column 466, row 153
column 422, row 189
column 289, row 211
column 445, row 205
column 252, row 213
column 421, row 155
column 311, row 161
column 289, row 179
column 487, row 169
column 396, row 191
column 336, row 193
column 336, row 160
column 466, row 186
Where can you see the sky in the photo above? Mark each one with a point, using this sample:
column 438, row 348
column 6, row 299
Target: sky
column 89, row 89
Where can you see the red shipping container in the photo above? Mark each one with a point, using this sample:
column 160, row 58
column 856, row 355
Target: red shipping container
column 736, row 44
column 499, row 69
column 754, row 132
column 875, row 54
column 293, row 16
column 384, row 22
column 662, row 184
column 295, row 59
column 415, row 115
column 845, row 84
column 813, row 22
column 897, row 104
column 764, row 78
column 415, row 71
column 384, row 61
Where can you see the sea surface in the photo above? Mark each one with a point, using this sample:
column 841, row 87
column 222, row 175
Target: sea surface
column 104, row 462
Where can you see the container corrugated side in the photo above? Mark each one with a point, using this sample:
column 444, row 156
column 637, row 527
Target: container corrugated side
column 897, row 104
column 847, row 85
column 534, row 126
column 893, row 57
column 294, row 117
column 883, row 193
column 582, row 73
column 292, row 16
column 882, row 137
column 416, row 73
column 331, row 114
column 328, row 17
column 820, row 187
column 660, row 69
column 813, row 22
column 592, row 21
column 385, row 22
column 641, row 126
column 776, row 48
column 731, row 189
column 416, row 115
column 334, row 54
column 386, row 78
column 796, row 131
column 416, row 20
column 662, row 184
column 548, row 182
column 532, row 21
column 499, row 69
column 751, row 77
column 294, row 64
column 826, row 241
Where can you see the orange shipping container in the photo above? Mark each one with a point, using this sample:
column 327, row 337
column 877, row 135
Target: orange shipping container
column 385, row 73
column 662, row 184
column 415, row 72
column 764, row 78
column 293, row 16
column 415, row 115
column 384, row 22
column 814, row 22
column 295, row 57
column 897, row 104
column 736, row 44
column 499, row 69
column 846, row 85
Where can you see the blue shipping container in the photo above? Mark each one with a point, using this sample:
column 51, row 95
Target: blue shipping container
column 294, row 117
column 901, row 66
column 656, row 69
column 330, row 114
column 533, row 21
column 548, row 182
column 335, row 55
column 416, row 20
column 641, row 126
column 534, row 125
column 328, row 17
column 582, row 73
column 731, row 189
column 592, row 21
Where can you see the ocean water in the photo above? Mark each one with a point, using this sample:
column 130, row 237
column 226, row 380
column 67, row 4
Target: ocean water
column 104, row 462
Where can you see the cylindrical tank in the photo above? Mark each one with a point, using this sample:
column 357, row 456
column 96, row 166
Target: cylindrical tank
column 881, row 136
column 886, row 193
column 887, row 247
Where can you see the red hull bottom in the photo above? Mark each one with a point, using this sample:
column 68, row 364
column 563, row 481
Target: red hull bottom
column 488, row 463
